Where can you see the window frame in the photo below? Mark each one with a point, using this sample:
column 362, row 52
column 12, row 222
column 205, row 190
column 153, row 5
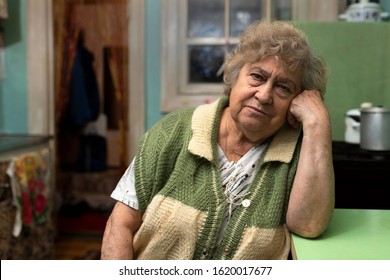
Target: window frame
column 175, row 92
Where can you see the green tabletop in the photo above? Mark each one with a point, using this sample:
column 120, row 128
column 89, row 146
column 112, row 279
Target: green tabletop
column 352, row 234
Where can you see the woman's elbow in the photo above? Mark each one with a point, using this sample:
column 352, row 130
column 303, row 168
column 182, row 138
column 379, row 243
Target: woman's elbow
column 313, row 229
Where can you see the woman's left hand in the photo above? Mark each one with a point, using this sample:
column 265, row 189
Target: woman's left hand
column 307, row 108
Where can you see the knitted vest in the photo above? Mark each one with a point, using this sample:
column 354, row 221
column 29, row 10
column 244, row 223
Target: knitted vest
column 181, row 198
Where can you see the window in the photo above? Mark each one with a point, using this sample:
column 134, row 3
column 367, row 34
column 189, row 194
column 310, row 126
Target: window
column 198, row 34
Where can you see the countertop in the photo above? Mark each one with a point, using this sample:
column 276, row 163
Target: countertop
column 10, row 142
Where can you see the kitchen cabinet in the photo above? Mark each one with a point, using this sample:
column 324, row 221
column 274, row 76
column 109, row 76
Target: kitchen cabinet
column 362, row 177
column 27, row 224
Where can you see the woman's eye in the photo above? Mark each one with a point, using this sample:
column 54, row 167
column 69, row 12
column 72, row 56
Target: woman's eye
column 257, row 77
column 284, row 89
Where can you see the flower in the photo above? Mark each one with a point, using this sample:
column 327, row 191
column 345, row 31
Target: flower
column 27, row 215
column 41, row 185
column 32, row 185
column 39, row 203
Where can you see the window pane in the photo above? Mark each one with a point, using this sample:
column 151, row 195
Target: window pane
column 281, row 9
column 206, row 18
column 242, row 13
column 204, row 63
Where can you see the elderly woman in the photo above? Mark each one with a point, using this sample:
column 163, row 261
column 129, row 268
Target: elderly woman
column 232, row 179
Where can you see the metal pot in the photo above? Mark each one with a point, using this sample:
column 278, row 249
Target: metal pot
column 375, row 129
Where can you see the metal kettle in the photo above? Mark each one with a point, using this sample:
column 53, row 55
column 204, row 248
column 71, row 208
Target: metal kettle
column 352, row 126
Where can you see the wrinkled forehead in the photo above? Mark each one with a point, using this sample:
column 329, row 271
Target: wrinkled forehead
column 279, row 65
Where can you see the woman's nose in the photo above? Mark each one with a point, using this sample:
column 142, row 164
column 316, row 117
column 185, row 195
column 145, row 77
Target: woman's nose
column 264, row 94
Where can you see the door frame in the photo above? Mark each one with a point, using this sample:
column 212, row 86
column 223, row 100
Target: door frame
column 40, row 70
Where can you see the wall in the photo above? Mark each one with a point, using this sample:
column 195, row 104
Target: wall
column 13, row 88
column 385, row 5
column 152, row 56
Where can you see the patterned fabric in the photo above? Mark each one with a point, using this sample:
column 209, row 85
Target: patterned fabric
column 29, row 176
column 125, row 189
column 180, row 194
column 236, row 178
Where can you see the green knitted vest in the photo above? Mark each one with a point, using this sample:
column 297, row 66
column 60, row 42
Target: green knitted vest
column 180, row 194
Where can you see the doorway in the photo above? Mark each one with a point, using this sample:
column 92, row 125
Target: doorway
column 93, row 58
column 41, row 63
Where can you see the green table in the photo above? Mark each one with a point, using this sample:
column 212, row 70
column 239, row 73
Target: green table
column 352, row 234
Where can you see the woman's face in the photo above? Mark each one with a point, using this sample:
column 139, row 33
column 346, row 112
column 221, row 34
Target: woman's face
column 261, row 96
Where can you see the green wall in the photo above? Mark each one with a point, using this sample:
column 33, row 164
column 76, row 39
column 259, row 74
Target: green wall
column 385, row 5
column 13, row 87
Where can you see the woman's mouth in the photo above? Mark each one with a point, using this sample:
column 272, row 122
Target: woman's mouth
column 258, row 110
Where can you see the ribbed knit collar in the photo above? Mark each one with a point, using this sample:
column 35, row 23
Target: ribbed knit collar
column 205, row 121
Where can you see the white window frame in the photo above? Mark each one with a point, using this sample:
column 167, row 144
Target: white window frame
column 176, row 92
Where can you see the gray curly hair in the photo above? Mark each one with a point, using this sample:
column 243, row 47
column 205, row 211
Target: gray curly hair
column 265, row 39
